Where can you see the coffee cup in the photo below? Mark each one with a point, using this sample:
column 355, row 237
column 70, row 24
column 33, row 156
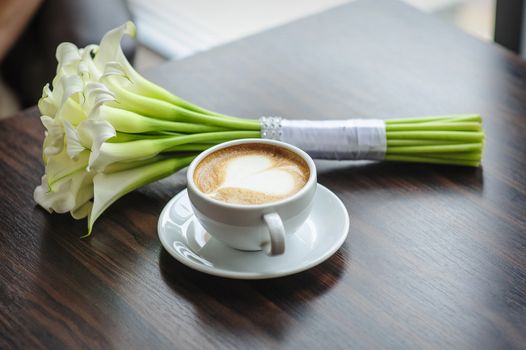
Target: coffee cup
column 250, row 193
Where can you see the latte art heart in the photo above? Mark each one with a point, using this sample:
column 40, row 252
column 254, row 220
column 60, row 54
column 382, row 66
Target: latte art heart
column 261, row 174
column 251, row 174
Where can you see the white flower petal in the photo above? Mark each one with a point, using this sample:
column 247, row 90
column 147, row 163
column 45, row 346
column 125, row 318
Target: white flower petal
column 84, row 192
column 39, row 195
column 59, row 200
column 95, row 133
column 73, row 144
column 82, row 211
column 96, row 95
column 64, row 87
column 68, row 55
column 54, row 141
column 83, row 197
column 114, row 68
column 87, row 68
column 71, row 111
column 61, row 165
column 110, row 45
column 47, row 103
column 70, row 84
column 69, row 193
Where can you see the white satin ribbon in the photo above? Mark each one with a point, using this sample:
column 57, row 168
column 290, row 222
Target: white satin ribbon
column 351, row 139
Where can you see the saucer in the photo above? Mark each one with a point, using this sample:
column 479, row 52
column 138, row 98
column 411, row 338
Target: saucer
column 316, row 240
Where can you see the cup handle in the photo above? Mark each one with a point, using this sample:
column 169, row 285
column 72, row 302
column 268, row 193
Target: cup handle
column 276, row 244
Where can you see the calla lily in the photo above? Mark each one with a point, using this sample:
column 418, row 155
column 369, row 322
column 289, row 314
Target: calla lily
column 62, row 165
column 53, row 100
column 108, row 187
column 67, row 186
column 88, row 136
column 62, row 198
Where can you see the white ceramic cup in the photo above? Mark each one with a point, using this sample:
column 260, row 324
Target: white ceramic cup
column 253, row 227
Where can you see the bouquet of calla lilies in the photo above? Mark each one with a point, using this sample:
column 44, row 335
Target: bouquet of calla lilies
column 110, row 131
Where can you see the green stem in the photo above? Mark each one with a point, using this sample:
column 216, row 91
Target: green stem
column 461, row 136
column 468, row 147
column 458, row 119
column 127, row 137
column 394, row 143
column 460, row 126
column 475, row 156
column 454, row 117
column 415, row 159
column 191, row 147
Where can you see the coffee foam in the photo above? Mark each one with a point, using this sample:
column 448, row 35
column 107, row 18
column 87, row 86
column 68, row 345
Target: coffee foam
column 251, row 174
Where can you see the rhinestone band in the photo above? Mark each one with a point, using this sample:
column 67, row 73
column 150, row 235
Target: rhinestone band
column 271, row 128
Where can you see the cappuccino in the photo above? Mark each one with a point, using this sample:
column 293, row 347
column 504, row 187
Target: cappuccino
column 251, row 173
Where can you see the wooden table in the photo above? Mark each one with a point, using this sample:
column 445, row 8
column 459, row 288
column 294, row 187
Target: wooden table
column 436, row 256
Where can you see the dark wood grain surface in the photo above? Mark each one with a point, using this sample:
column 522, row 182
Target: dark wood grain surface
column 436, row 255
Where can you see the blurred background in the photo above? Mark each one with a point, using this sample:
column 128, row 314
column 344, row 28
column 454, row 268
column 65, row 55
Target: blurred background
column 30, row 30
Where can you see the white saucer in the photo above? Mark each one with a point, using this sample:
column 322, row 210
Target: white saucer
column 319, row 238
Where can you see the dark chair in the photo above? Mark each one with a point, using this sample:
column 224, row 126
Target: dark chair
column 510, row 25
column 31, row 63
